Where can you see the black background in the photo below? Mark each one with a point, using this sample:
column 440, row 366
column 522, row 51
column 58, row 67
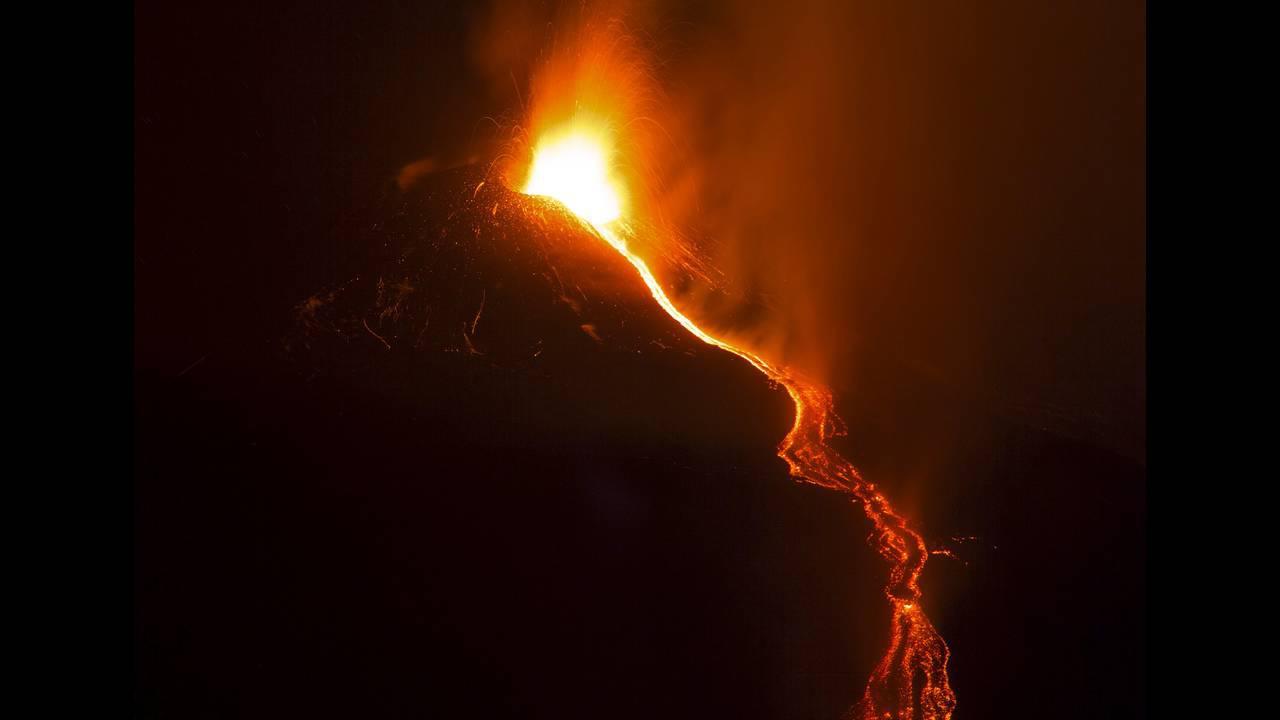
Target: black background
column 328, row 549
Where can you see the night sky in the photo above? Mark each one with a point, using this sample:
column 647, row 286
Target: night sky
column 339, row 530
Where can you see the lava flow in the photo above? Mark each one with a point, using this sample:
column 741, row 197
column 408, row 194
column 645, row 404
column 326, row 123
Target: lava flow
column 572, row 165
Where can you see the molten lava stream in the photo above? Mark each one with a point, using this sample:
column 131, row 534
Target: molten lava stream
column 910, row 681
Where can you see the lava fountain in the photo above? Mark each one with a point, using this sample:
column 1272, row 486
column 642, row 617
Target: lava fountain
column 575, row 158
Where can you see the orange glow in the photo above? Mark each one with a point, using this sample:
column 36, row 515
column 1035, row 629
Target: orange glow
column 573, row 167
column 577, row 161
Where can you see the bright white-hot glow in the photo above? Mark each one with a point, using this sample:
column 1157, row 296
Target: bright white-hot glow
column 574, row 169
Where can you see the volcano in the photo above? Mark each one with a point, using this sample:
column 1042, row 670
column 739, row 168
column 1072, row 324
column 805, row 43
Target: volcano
column 466, row 276
column 424, row 445
column 487, row 476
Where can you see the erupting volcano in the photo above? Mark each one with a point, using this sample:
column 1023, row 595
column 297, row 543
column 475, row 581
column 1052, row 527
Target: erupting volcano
column 632, row 359
column 571, row 164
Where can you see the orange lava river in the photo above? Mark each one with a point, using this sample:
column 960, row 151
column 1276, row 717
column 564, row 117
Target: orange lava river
column 910, row 681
